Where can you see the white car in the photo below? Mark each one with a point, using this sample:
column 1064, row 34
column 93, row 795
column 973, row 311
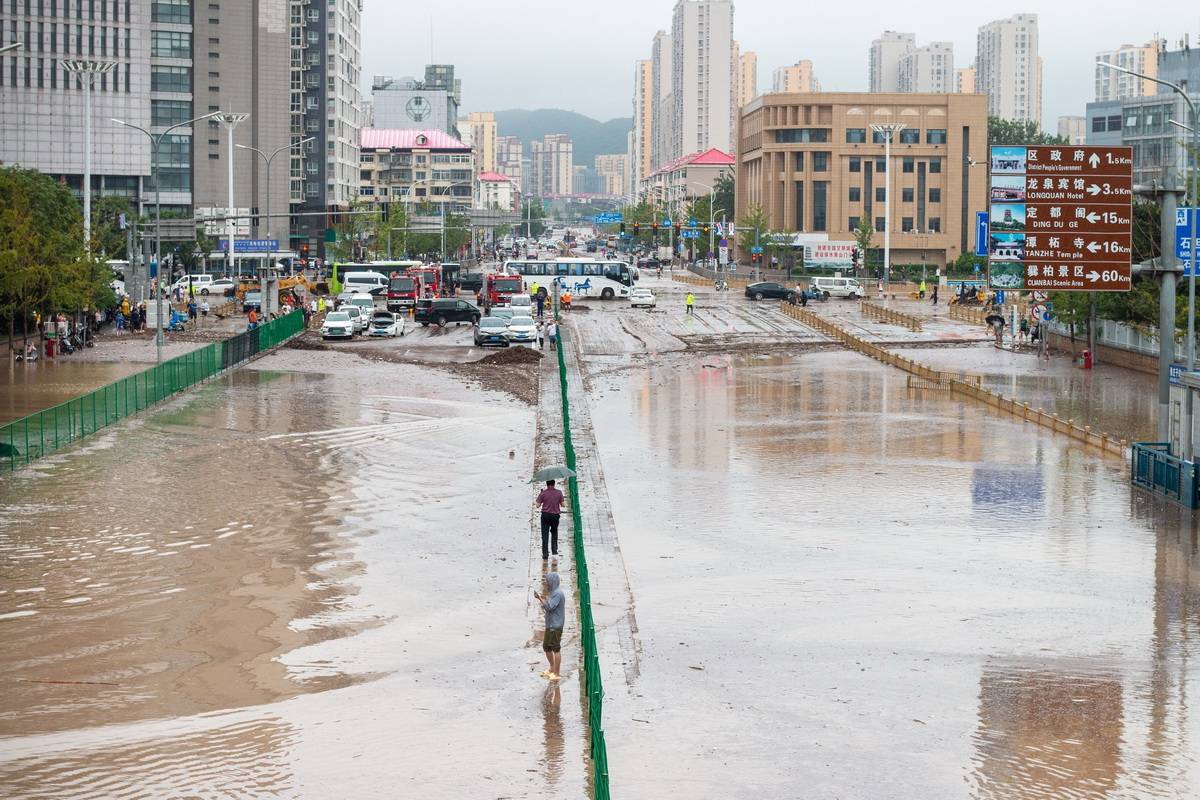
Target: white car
column 338, row 325
column 220, row 286
column 643, row 298
column 521, row 330
column 356, row 316
column 385, row 323
column 522, row 304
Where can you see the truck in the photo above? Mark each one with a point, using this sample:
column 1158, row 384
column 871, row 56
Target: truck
column 499, row 287
column 403, row 291
column 430, row 278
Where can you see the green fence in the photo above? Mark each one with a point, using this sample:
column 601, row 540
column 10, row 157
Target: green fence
column 27, row 439
column 587, row 627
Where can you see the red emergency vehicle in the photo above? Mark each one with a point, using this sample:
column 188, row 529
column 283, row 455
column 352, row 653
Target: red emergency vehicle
column 430, row 278
column 499, row 288
column 403, row 291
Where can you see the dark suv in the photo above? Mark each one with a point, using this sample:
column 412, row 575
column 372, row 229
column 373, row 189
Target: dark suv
column 758, row 291
column 441, row 311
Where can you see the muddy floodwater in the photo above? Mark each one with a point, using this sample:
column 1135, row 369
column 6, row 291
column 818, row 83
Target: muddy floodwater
column 846, row 589
column 309, row 579
column 27, row 388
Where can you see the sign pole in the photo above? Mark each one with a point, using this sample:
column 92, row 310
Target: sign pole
column 1166, row 319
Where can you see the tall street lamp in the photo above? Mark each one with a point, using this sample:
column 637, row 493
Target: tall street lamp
column 87, row 71
column 156, row 140
column 268, row 159
column 231, row 119
column 888, row 129
column 712, row 199
column 1191, row 313
column 13, row 46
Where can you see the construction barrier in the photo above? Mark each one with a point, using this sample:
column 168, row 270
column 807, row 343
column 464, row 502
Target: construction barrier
column 700, row 280
column 25, row 440
column 960, row 383
column 890, row 315
column 587, row 627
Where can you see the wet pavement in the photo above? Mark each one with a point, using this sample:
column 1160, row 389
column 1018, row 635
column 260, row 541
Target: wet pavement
column 26, row 388
column 311, row 578
column 842, row 588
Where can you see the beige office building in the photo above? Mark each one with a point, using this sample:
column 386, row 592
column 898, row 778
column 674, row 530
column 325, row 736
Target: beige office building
column 551, row 165
column 747, row 79
column 1008, row 68
column 815, row 165
column 612, row 171
column 964, row 80
column 1114, row 85
column 797, row 78
column 480, row 129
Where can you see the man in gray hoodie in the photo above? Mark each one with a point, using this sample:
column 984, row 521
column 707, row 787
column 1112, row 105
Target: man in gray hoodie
column 555, row 605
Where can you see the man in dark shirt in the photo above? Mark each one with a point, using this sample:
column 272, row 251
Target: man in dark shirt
column 550, row 500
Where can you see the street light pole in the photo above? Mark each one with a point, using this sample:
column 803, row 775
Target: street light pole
column 231, row 120
column 87, row 72
column 13, row 46
column 268, row 159
column 155, row 141
column 888, row 129
column 1188, row 411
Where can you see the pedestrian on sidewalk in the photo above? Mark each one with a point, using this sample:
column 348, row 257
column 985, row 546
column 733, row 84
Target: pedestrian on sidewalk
column 204, row 309
column 691, row 303
column 192, row 308
column 998, row 330
column 550, row 500
column 555, row 606
column 541, row 335
column 921, row 289
column 1023, row 330
column 552, row 334
column 935, row 290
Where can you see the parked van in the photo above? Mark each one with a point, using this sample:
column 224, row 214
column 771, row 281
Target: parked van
column 199, row 282
column 839, row 287
column 364, row 282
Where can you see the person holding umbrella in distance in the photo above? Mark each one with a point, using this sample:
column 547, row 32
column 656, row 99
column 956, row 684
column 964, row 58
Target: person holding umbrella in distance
column 550, row 500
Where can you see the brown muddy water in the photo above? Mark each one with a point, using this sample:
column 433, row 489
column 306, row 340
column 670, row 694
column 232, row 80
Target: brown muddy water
column 847, row 589
column 26, row 388
column 285, row 584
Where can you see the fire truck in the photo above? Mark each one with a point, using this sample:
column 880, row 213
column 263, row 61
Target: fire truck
column 499, row 288
column 430, row 279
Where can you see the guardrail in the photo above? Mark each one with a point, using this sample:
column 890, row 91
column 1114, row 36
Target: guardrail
column 961, row 383
column 1153, row 467
column 976, row 315
column 587, row 626
column 890, row 315
column 25, row 440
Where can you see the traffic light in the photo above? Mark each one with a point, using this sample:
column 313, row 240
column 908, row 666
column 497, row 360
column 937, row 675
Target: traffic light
column 704, row 229
column 854, row 256
column 637, row 228
column 677, row 230
column 654, row 228
column 622, row 228
column 386, row 209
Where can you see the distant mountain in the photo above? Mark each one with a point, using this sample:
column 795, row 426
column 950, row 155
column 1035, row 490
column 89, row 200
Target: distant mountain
column 590, row 136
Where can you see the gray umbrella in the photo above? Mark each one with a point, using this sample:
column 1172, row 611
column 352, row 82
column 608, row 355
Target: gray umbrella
column 555, row 473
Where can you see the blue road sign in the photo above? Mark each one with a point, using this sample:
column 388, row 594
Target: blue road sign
column 666, row 223
column 981, row 233
column 1176, row 371
column 689, row 234
column 692, row 222
column 1183, row 237
column 756, row 250
column 608, row 217
column 249, row 245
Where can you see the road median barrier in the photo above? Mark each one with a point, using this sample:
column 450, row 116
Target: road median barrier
column 890, row 315
column 25, row 440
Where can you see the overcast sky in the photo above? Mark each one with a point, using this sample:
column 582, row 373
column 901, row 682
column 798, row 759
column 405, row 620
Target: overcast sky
column 579, row 56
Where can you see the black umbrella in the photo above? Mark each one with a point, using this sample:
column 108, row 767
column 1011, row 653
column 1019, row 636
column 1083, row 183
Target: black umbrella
column 994, row 319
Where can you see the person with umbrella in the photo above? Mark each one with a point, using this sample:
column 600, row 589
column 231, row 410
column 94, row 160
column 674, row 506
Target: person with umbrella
column 550, row 500
column 996, row 321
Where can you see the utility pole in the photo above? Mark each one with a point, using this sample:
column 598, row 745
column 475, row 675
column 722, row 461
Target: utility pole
column 1168, row 275
column 888, row 129
column 231, row 120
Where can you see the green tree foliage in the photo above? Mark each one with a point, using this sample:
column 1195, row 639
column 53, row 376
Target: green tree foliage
column 754, row 222
column 1011, row 131
column 361, row 236
column 723, row 199
column 863, row 235
column 108, row 240
column 43, row 264
column 533, row 218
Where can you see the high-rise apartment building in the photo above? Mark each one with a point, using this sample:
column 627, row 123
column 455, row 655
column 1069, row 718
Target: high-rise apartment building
column 1073, row 129
column 552, row 166
column 611, row 172
column 929, row 68
column 797, row 78
column 479, row 131
column 964, row 80
column 509, row 158
column 326, row 105
column 703, row 76
column 1114, row 85
column 242, row 64
column 747, row 78
column 642, row 141
column 1008, row 68
column 884, row 65
column 663, row 112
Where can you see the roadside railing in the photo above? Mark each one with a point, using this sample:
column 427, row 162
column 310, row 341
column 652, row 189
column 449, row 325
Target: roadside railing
column 25, row 440
column 960, row 383
column 890, row 315
column 1153, row 467
column 587, row 626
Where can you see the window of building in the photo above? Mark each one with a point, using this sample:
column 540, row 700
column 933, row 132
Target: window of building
column 820, row 205
column 802, row 135
column 935, row 195
column 1114, row 122
column 855, row 194
column 881, row 165
column 935, row 136
column 878, row 137
column 935, row 165
column 908, row 164
column 880, row 194
column 906, row 195
column 1098, row 125
column 170, row 44
column 820, row 162
column 906, row 224
column 165, row 113
column 170, row 79
column 879, row 224
column 852, row 223
column 799, row 162
column 935, row 224
column 856, row 135
column 172, row 11
column 910, row 136
column 855, row 164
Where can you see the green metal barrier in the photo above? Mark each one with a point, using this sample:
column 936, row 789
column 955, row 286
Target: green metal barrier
column 587, row 627
column 25, row 440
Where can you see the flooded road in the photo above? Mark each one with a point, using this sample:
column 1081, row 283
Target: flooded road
column 310, row 578
column 846, row 589
column 27, row 388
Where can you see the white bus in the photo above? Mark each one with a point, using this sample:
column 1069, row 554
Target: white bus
column 582, row 277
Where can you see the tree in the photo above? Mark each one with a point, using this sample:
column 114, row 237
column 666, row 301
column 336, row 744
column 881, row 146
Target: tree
column 753, row 228
column 533, row 218
column 1010, row 131
column 107, row 237
column 357, row 234
column 863, row 235
column 723, row 198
